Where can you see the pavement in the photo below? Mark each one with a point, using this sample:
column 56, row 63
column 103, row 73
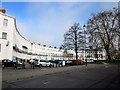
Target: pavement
column 0, row 78
column 11, row 74
column 80, row 76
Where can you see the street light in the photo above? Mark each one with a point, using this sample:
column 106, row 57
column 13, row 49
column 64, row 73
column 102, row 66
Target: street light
column 85, row 60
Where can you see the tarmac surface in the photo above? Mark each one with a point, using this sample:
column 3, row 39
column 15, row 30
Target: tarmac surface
column 80, row 76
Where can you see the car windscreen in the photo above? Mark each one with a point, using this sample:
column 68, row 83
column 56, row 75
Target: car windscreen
column 7, row 60
column 42, row 61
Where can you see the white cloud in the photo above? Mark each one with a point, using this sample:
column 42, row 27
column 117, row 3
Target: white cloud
column 42, row 31
column 48, row 24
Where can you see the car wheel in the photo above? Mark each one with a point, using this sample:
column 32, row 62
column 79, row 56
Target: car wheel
column 40, row 65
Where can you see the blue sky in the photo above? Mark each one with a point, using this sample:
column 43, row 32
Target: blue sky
column 46, row 22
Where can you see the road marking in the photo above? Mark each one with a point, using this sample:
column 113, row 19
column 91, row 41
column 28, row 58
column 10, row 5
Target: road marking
column 45, row 82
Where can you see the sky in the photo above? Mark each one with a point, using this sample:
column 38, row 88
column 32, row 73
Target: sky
column 46, row 22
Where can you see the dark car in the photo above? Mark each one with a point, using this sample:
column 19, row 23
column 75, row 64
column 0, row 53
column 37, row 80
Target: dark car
column 58, row 63
column 7, row 63
column 1, row 64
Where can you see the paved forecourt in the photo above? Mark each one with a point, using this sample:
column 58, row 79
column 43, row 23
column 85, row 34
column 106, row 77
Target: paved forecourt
column 11, row 75
column 92, row 76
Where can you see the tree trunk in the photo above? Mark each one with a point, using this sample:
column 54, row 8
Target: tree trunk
column 108, row 54
column 76, row 54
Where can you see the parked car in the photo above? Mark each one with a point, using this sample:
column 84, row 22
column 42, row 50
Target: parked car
column 77, row 62
column 19, row 63
column 53, row 62
column 59, row 63
column 31, row 61
column 89, row 60
column 1, row 64
column 45, row 63
column 37, row 62
column 7, row 63
column 68, row 62
column 42, row 63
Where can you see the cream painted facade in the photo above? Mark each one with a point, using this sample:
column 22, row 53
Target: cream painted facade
column 13, row 45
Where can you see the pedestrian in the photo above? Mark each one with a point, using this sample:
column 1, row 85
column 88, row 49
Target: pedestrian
column 16, row 64
column 33, row 65
column 50, row 65
column 86, row 62
column 23, row 64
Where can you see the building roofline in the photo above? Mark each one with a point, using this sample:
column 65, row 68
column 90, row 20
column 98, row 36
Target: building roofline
column 4, row 14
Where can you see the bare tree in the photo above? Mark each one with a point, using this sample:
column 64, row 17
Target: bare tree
column 73, row 39
column 103, row 29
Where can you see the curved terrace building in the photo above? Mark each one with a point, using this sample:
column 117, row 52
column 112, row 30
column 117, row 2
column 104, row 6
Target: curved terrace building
column 14, row 46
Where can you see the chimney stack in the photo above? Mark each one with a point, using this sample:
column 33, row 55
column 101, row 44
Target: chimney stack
column 2, row 10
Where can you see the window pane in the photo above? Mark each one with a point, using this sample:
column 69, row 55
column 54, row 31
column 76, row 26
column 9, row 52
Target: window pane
column 4, row 35
column 5, row 22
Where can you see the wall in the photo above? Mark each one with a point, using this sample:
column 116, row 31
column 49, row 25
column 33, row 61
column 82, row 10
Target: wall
column 6, row 44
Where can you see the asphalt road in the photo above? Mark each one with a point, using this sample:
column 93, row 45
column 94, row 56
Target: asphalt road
column 101, row 76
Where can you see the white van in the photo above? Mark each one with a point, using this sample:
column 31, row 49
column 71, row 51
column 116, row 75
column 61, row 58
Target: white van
column 39, row 62
column 44, row 63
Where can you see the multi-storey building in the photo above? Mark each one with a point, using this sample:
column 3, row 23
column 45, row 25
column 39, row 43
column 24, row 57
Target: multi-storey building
column 14, row 46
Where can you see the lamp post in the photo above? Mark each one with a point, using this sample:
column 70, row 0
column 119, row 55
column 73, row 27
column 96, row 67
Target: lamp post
column 85, row 60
